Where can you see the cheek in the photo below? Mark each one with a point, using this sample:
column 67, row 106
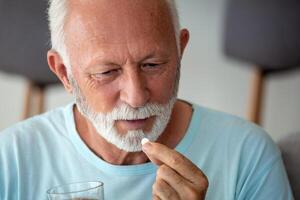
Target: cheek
column 162, row 88
column 103, row 99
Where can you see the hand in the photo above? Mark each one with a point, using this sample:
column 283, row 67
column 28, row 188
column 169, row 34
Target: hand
column 177, row 177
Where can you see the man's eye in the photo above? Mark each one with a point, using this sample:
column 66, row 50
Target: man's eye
column 105, row 74
column 150, row 65
column 108, row 72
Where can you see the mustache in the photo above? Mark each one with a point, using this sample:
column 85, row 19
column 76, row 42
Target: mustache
column 126, row 112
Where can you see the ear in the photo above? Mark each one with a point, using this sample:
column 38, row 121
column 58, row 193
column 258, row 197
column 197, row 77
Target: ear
column 57, row 66
column 184, row 39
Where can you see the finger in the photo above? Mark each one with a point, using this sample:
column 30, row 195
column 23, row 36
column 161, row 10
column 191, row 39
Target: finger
column 184, row 188
column 159, row 154
column 164, row 191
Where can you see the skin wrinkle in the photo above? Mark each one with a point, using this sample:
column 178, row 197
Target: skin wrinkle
column 164, row 18
column 59, row 14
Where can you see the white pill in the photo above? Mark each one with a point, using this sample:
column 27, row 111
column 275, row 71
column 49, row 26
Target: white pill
column 144, row 141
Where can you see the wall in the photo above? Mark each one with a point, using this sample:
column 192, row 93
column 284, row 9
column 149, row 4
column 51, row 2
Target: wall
column 208, row 78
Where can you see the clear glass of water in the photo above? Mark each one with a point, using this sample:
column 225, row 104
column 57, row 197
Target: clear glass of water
column 93, row 190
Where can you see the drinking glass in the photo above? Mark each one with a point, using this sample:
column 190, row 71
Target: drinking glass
column 93, row 190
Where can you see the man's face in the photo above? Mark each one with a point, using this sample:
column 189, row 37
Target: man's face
column 123, row 53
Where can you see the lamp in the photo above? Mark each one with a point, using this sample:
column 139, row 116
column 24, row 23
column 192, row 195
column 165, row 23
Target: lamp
column 24, row 42
column 267, row 34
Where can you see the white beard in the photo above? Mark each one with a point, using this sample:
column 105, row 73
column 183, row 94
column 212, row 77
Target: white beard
column 104, row 123
column 130, row 141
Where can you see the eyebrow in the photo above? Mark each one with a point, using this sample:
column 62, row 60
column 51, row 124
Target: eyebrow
column 100, row 65
column 105, row 62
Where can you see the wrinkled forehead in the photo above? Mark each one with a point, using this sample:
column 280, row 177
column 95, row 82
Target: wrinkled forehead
column 119, row 20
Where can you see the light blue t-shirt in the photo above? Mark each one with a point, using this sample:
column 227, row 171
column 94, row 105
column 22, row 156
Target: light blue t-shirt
column 239, row 159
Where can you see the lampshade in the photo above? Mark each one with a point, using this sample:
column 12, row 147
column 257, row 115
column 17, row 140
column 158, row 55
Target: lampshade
column 24, row 39
column 263, row 32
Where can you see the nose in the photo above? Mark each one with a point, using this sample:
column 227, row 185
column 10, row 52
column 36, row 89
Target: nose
column 134, row 89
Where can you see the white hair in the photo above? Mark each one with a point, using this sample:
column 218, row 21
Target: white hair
column 57, row 14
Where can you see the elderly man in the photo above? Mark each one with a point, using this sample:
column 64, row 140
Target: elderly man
column 121, row 61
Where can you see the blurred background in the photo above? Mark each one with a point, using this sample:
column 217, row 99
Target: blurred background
column 209, row 78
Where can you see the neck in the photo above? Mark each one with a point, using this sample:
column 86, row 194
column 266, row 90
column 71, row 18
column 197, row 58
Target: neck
column 174, row 132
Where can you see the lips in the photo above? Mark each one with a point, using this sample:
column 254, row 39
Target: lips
column 134, row 124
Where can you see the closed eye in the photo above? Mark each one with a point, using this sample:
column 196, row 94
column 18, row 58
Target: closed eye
column 105, row 74
column 109, row 72
column 152, row 66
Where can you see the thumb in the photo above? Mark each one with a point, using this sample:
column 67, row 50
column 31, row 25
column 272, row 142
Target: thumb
column 147, row 148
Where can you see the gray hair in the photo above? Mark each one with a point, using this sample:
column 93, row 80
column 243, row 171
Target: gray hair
column 57, row 14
